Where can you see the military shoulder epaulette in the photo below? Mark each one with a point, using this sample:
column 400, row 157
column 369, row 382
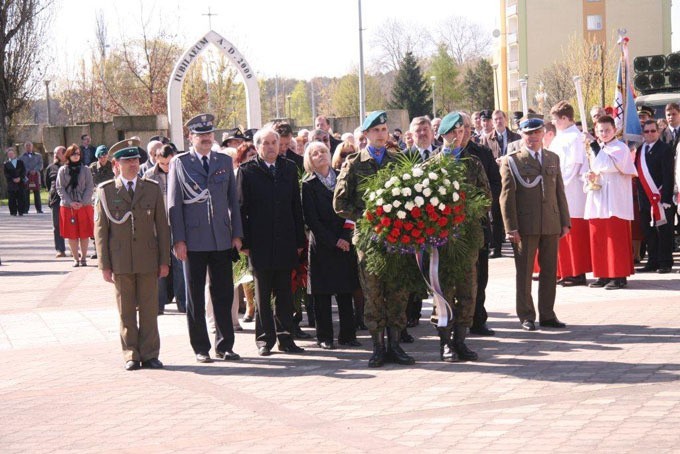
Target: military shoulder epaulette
column 101, row 185
column 181, row 155
column 149, row 180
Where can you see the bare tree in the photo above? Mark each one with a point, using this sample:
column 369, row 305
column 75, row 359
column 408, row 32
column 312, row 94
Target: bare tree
column 23, row 28
column 394, row 39
column 465, row 40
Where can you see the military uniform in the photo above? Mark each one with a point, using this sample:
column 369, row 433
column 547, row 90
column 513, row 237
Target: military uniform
column 101, row 173
column 533, row 203
column 133, row 240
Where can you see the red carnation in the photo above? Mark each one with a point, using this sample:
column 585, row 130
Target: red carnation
column 369, row 216
column 459, row 219
column 386, row 221
column 391, row 239
column 378, row 228
column 447, row 210
column 429, row 208
column 442, row 222
column 420, row 225
column 420, row 240
column 462, row 195
column 379, row 211
column 443, row 234
column 416, row 233
column 429, row 231
column 395, row 232
column 433, row 216
column 406, row 239
column 416, row 212
column 398, row 223
column 458, row 209
column 408, row 226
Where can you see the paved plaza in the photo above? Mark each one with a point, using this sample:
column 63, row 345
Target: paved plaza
column 608, row 383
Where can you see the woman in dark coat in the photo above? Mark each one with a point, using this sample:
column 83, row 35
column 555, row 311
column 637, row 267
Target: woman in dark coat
column 332, row 262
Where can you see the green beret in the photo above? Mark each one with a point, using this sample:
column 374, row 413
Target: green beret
column 101, row 151
column 449, row 122
column 125, row 149
column 201, row 124
column 379, row 117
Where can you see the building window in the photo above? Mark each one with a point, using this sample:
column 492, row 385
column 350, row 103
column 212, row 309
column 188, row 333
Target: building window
column 593, row 1
column 594, row 22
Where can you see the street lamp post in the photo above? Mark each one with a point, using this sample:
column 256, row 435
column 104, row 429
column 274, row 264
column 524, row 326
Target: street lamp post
column 47, row 97
column 434, row 105
column 497, row 97
column 289, row 109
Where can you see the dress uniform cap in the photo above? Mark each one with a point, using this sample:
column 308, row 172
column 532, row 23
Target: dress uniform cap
column 229, row 134
column 642, row 110
column 125, row 149
column 101, row 151
column 485, row 114
column 379, row 117
column 450, row 121
column 201, row 124
column 248, row 134
column 162, row 139
column 530, row 124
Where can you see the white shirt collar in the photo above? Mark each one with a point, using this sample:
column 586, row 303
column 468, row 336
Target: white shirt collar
column 650, row 145
column 125, row 182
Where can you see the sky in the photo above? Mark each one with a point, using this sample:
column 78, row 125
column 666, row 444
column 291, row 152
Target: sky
column 293, row 38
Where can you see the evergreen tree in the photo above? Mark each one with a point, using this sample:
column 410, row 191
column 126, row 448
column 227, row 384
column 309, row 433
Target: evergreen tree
column 478, row 85
column 411, row 91
column 447, row 92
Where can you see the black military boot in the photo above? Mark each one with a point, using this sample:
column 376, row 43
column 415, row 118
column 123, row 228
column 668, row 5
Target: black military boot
column 463, row 352
column 378, row 356
column 395, row 353
column 446, row 353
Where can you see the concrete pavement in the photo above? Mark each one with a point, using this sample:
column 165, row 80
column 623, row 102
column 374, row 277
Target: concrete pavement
column 608, row 383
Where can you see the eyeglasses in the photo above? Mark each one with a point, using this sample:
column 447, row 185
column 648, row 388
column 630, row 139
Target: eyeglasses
column 650, row 131
column 77, row 153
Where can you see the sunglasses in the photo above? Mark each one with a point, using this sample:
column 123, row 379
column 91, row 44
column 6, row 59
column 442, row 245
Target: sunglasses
column 650, row 131
column 77, row 153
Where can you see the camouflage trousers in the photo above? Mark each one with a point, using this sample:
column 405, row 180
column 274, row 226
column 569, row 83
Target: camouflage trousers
column 385, row 302
column 461, row 293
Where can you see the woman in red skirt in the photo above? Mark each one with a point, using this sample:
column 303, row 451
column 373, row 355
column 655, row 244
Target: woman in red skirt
column 76, row 217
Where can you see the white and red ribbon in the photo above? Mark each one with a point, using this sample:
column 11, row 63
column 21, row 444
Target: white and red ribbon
column 651, row 191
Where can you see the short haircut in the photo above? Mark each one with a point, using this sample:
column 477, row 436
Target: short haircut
column 166, row 151
column 307, row 160
column 83, row 136
column 651, row 122
column 563, row 109
column 324, row 119
column 417, row 121
column 260, row 135
column 501, row 112
column 70, row 150
column 606, row 119
column 154, row 146
column 283, row 128
column 549, row 127
column 317, row 132
column 672, row 106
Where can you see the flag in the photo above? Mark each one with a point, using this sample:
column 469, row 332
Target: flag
column 618, row 99
column 632, row 130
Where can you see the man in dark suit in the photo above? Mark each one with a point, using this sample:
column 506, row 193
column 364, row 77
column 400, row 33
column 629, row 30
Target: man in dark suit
column 273, row 238
column 322, row 122
column 205, row 221
column 654, row 163
column 15, row 172
column 285, row 133
column 87, row 150
column 536, row 216
column 485, row 156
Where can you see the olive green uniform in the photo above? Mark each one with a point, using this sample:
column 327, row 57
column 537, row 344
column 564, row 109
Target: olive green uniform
column 386, row 302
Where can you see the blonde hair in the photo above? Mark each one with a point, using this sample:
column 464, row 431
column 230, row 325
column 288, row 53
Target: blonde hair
column 307, row 159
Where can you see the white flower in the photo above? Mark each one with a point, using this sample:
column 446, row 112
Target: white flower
column 456, row 186
column 396, row 191
column 406, row 176
column 401, row 214
column 418, row 187
column 396, row 204
column 409, row 205
column 388, row 183
column 441, row 190
column 456, row 197
column 417, row 172
column 419, row 201
column 427, row 192
column 434, row 201
column 371, row 196
column 432, row 175
column 387, row 208
column 441, row 207
column 426, row 182
column 379, row 202
column 379, row 192
column 447, row 182
column 444, row 171
column 406, row 192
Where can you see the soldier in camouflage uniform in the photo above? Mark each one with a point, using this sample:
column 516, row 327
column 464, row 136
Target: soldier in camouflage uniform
column 385, row 301
column 461, row 289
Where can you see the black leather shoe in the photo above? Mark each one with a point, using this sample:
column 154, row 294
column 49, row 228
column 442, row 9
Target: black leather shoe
column 554, row 323
column 664, row 270
column 601, row 282
column 290, row 348
column 350, row 343
column 406, row 338
column 646, row 269
column 615, row 284
column 264, row 351
column 325, row 345
column 378, row 357
column 573, row 281
column 153, row 363
column 93, row 256
column 132, row 365
column 229, row 355
column 528, row 325
column 299, row 334
column 247, row 319
column 203, row 358
column 482, row 330
column 412, row 323
column 496, row 254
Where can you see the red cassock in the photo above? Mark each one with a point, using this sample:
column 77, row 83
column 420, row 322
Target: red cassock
column 611, row 246
column 573, row 255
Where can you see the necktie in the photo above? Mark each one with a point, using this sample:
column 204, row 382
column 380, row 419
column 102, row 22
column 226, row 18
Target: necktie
column 206, row 166
column 272, row 170
column 130, row 190
column 646, row 150
column 426, row 154
column 501, row 144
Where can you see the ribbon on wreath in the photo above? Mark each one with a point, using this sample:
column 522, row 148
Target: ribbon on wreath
column 444, row 311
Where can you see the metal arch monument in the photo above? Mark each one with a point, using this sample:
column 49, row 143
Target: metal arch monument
column 253, row 108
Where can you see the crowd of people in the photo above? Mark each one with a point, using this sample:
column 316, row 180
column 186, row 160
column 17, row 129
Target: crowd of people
column 171, row 225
